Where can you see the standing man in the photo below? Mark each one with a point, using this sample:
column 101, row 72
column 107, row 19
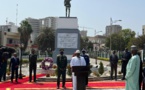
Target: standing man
column 132, row 73
column 113, row 64
column 5, row 57
column 77, row 61
column 0, row 62
column 61, row 67
column 32, row 65
column 125, row 58
column 87, row 59
column 14, row 64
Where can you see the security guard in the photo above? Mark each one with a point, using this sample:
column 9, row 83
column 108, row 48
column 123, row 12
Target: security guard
column 32, row 65
column 125, row 58
column 61, row 67
column 87, row 59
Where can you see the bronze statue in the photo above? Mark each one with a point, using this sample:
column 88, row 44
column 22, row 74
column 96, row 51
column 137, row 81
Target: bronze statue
column 68, row 6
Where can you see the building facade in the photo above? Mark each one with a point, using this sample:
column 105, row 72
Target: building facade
column 143, row 30
column 83, row 33
column 38, row 24
column 10, row 27
column 113, row 29
column 9, row 39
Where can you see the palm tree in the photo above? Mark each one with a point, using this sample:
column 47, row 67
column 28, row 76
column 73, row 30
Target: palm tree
column 46, row 39
column 25, row 31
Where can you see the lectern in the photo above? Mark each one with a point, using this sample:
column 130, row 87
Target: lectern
column 81, row 72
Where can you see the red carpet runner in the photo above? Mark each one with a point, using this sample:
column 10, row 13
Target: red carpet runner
column 25, row 85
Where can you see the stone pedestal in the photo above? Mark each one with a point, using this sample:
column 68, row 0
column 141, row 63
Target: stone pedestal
column 67, row 36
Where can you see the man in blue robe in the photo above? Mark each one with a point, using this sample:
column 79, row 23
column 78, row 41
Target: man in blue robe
column 132, row 71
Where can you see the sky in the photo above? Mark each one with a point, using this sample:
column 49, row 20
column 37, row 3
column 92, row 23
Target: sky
column 94, row 14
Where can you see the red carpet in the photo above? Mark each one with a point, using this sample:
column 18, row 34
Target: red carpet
column 25, row 85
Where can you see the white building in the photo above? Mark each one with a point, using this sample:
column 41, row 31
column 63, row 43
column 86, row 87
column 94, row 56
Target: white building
column 10, row 27
column 83, row 33
column 113, row 29
column 38, row 24
column 143, row 29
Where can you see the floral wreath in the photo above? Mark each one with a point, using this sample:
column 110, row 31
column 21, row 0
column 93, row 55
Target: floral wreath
column 46, row 67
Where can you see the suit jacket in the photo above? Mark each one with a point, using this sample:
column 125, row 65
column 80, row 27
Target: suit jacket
column 14, row 62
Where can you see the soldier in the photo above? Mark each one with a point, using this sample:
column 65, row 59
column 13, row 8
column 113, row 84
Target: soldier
column 87, row 59
column 14, row 64
column 61, row 67
column 32, row 65
column 125, row 58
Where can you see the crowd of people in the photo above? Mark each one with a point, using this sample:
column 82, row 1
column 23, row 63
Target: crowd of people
column 131, row 67
column 5, row 54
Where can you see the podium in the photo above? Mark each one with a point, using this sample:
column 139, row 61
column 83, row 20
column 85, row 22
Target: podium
column 81, row 72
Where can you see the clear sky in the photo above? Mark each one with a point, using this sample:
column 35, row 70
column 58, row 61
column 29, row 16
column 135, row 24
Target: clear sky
column 91, row 13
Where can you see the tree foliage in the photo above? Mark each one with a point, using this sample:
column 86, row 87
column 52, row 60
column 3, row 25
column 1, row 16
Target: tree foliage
column 25, row 31
column 127, row 35
column 46, row 39
column 138, row 41
column 120, row 40
column 85, row 43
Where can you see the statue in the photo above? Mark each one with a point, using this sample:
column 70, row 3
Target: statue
column 68, row 6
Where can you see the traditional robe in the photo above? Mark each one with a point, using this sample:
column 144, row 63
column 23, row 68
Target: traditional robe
column 75, row 61
column 132, row 74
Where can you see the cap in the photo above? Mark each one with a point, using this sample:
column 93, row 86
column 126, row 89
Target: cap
column 61, row 49
column 77, row 51
column 133, row 47
column 83, row 50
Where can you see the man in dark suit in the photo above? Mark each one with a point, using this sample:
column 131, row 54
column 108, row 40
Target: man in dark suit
column 61, row 66
column 125, row 58
column 113, row 64
column 87, row 59
column 32, row 65
column 14, row 64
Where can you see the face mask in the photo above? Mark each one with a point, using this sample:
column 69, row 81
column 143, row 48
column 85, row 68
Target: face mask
column 61, row 53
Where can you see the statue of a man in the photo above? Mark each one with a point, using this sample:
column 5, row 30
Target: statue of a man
column 68, row 6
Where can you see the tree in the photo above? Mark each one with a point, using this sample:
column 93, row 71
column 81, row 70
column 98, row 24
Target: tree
column 46, row 39
column 117, row 42
column 25, row 31
column 127, row 35
column 139, row 42
column 85, row 43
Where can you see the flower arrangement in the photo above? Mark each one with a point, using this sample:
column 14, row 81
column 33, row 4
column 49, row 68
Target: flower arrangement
column 49, row 60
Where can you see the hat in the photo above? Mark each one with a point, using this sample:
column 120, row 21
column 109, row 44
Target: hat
column 61, row 50
column 133, row 47
column 83, row 50
column 77, row 51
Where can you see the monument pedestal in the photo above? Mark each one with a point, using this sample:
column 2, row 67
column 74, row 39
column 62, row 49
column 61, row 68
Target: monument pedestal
column 67, row 36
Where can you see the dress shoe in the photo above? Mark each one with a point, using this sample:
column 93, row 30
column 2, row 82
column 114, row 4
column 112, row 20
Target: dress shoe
column 57, row 87
column 64, row 87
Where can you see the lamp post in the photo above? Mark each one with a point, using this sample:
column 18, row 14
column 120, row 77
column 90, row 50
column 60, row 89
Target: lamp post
column 111, row 23
column 21, row 47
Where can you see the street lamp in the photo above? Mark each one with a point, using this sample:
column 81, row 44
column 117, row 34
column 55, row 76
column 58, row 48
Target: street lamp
column 111, row 23
column 21, row 47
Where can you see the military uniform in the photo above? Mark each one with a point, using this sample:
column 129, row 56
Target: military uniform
column 32, row 66
column 61, row 66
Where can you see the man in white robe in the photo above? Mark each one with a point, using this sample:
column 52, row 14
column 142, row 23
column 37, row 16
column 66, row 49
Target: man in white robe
column 77, row 61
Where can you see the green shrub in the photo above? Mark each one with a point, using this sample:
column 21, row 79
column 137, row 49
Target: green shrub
column 101, row 68
column 69, row 70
